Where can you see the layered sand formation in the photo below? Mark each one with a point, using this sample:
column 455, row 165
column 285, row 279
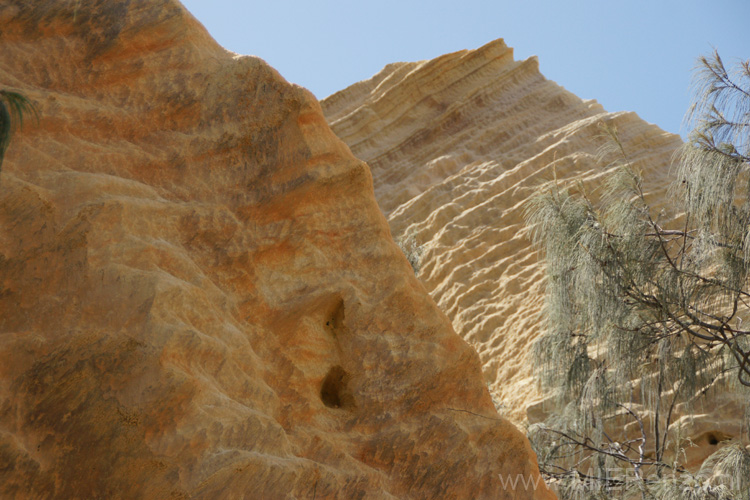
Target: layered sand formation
column 201, row 298
column 456, row 146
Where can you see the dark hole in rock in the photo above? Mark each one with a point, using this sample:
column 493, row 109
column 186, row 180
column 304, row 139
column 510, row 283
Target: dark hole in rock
column 334, row 393
column 714, row 438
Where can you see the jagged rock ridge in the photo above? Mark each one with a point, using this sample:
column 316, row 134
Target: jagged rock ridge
column 200, row 297
column 456, row 146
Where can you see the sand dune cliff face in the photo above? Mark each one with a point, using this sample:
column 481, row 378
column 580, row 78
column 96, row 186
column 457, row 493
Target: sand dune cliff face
column 200, row 296
column 456, row 146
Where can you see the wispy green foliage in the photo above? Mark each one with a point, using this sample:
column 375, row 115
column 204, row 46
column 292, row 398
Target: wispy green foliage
column 647, row 314
column 13, row 107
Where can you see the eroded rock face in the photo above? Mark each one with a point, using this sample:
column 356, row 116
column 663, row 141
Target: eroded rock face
column 200, row 296
column 456, row 146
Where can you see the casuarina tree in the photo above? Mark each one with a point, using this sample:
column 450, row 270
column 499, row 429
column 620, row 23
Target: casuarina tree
column 649, row 312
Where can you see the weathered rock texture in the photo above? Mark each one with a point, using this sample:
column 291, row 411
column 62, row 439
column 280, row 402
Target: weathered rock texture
column 200, row 296
column 456, row 145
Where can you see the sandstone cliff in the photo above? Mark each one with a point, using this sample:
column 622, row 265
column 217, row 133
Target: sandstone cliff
column 200, row 296
column 456, row 145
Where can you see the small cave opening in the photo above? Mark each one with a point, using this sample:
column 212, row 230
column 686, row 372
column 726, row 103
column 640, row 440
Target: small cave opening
column 335, row 392
column 715, row 438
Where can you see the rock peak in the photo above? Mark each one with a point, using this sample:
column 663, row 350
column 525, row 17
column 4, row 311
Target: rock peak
column 456, row 145
column 200, row 295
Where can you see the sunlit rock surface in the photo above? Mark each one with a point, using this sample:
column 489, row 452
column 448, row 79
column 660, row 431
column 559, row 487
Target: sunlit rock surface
column 456, row 146
column 200, row 296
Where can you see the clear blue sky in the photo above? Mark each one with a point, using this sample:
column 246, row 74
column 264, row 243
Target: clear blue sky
column 634, row 55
